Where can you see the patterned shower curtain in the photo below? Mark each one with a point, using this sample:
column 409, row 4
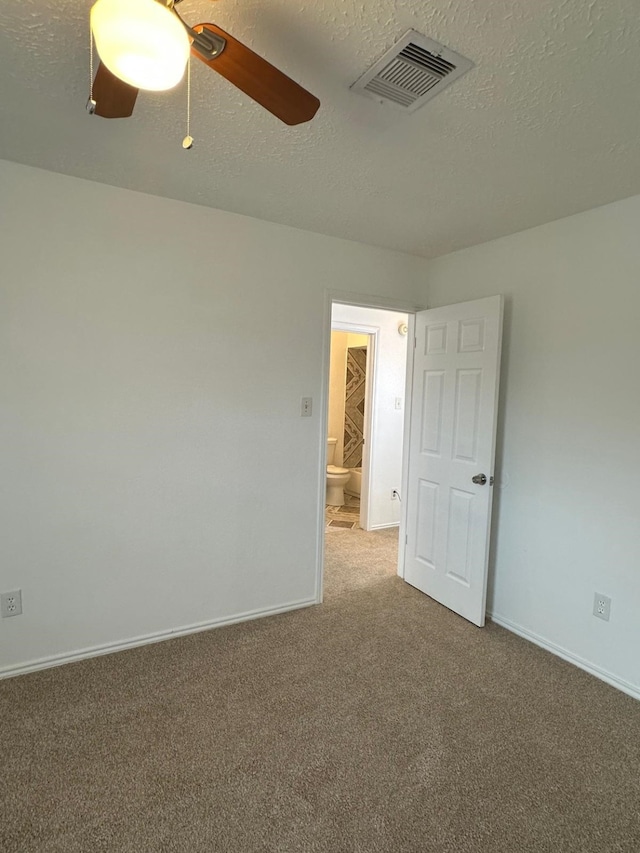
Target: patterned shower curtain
column 354, row 407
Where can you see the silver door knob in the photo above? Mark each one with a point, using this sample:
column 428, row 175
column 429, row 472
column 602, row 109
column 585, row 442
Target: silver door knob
column 479, row 480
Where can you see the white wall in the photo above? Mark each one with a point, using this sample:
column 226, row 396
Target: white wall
column 388, row 382
column 567, row 519
column 152, row 359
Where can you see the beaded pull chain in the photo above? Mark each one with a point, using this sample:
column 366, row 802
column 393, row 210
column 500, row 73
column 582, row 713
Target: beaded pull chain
column 91, row 104
column 187, row 142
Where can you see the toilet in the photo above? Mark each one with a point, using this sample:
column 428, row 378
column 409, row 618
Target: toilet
column 337, row 478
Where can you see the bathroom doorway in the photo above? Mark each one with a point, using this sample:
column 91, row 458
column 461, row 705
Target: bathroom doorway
column 366, row 390
column 348, row 426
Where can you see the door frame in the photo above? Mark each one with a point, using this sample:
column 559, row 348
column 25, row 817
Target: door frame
column 361, row 301
column 406, row 434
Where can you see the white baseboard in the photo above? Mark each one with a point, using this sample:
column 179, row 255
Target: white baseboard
column 147, row 639
column 587, row 666
column 384, row 526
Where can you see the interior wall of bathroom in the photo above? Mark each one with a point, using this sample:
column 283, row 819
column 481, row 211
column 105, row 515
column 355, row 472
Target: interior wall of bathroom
column 340, row 342
column 567, row 509
column 355, row 407
column 150, row 402
column 337, row 384
column 387, row 384
column 355, row 340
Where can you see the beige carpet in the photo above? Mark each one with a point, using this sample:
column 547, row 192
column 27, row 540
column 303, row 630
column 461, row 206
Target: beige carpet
column 376, row 722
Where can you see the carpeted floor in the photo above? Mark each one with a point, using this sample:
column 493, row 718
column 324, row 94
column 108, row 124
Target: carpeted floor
column 379, row 721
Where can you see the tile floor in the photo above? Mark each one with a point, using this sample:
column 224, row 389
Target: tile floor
column 347, row 516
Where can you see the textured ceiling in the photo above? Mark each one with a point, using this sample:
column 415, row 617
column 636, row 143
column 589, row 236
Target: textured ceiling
column 546, row 125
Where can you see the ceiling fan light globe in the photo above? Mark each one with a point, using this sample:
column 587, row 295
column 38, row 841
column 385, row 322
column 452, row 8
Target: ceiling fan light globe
column 141, row 42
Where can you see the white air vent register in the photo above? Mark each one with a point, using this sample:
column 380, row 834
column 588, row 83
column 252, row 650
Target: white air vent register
column 415, row 70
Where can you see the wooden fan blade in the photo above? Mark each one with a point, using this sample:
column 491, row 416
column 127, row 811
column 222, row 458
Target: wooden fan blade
column 260, row 80
column 114, row 98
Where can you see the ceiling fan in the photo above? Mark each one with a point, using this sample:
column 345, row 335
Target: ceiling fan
column 145, row 44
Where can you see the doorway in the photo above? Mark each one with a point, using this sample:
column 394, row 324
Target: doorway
column 365, row 395
column 383, row 412
column 451, row 380
column 351, row 366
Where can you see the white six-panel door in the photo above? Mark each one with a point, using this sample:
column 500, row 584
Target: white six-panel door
column 451, row 441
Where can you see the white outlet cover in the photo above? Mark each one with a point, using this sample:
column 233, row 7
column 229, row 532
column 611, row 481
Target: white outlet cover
column 11, row 603
column 601, row 606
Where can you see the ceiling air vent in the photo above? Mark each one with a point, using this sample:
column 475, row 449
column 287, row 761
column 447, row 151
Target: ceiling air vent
column 415, row 70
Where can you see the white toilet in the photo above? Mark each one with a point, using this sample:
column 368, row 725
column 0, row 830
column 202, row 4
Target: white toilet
column 337, row 478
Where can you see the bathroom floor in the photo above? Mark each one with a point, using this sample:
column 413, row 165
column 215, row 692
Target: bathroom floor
column 347, row 516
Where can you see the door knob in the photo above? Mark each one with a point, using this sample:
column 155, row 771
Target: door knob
column 479, row 480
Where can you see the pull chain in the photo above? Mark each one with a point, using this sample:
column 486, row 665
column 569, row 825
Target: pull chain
column 187, row 142
column 91, row 104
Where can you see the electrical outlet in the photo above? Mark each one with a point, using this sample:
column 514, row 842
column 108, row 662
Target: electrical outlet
column 11, row 603
column 601, row 606
column 395, row 495
column 306, row 407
